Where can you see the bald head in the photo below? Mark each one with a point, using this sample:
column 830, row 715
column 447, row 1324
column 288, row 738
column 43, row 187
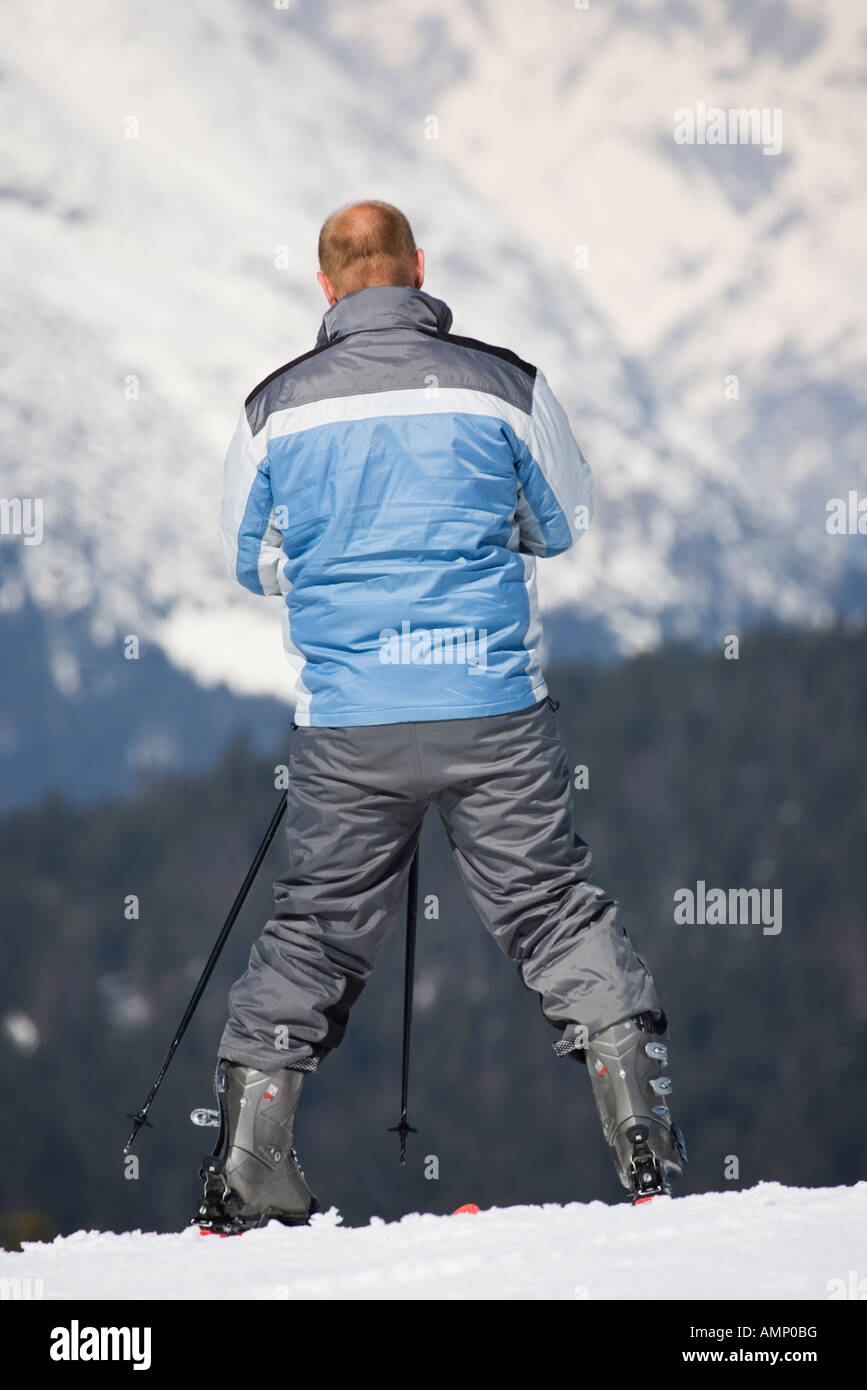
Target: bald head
column 367, row 244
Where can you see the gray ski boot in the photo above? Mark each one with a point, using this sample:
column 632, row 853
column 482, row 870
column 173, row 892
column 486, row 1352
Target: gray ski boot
column 626, row 1064
column 253, row 1175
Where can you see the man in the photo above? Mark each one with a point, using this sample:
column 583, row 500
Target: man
column 395, row 486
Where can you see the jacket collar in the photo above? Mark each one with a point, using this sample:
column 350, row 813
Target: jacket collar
column 384, row 306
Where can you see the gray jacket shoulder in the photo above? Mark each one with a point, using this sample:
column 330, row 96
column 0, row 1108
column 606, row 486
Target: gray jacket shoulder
column 403, row 360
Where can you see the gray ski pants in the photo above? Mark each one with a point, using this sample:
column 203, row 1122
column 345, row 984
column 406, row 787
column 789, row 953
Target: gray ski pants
column 357, row 797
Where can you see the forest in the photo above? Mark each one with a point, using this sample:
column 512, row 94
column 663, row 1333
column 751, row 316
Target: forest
column 690, row 769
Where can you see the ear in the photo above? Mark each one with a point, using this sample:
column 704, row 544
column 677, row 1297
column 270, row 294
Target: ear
column 419, row 268
column 327, row 287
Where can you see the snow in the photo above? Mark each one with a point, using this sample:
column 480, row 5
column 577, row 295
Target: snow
column 767, row 1242
column 153, row 259
column 21, row 1031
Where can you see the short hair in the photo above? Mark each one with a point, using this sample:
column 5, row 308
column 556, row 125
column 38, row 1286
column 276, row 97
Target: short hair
column 366, row 244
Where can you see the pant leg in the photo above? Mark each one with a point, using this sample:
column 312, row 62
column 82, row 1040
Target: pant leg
column 352, row 823
column 507, row 810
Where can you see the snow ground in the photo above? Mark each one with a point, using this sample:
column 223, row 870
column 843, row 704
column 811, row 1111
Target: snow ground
column 769, row 1242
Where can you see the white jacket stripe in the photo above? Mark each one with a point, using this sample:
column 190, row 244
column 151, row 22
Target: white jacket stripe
column 426, row 400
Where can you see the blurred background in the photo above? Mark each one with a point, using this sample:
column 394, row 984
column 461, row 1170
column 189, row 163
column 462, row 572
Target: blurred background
column 699, row 308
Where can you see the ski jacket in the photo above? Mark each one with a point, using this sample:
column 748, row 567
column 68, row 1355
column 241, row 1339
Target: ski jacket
column 395, row 486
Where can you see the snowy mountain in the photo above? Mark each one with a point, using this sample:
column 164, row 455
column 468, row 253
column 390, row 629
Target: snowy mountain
column 770, row 1242
column 166, row 169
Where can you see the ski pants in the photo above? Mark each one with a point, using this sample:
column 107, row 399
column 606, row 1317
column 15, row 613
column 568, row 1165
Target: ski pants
column 356, row 800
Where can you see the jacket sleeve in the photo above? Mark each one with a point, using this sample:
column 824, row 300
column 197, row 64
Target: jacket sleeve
column 252, row 540
column 555, row 485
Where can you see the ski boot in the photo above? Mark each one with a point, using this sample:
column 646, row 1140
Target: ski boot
column 626, row 1063
column 253, row 1175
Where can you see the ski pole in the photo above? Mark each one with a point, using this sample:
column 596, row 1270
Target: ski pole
column 141, row 1117
column 404, row 1128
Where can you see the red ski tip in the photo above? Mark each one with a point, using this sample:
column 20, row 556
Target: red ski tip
column 203, row 1231
column 469, row 1207
column 649, row 1198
